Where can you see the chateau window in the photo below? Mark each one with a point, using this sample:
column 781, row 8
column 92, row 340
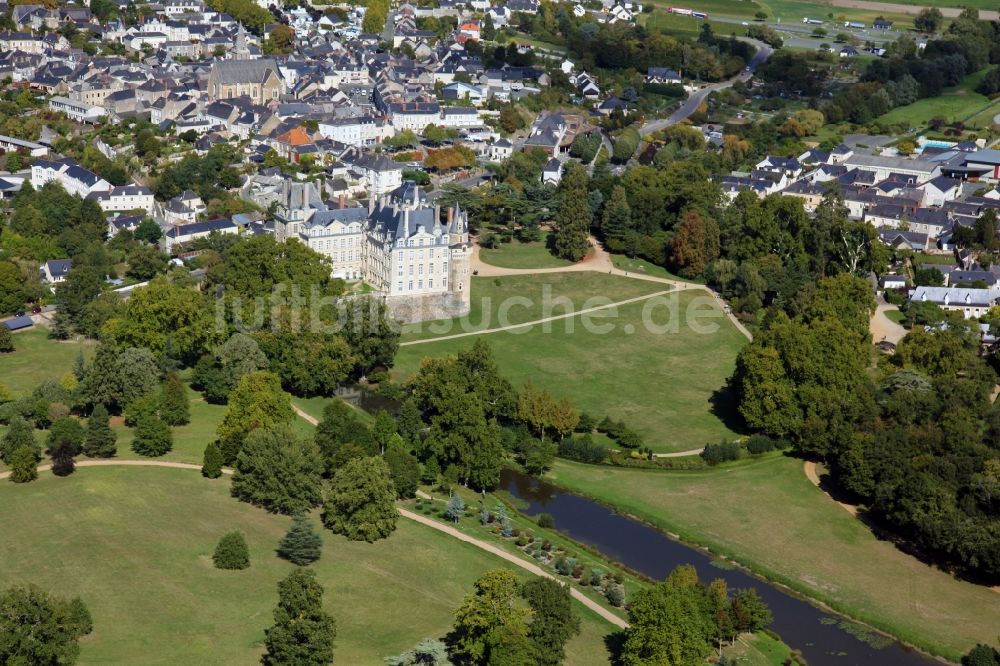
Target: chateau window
column 399, row 286
column 430, row 284
column 420, row 269
column 420, row 284
column 411, row 285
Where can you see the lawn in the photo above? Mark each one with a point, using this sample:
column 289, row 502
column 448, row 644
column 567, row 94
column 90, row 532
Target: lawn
column 135, row 544
column 767, row 515
column 37, row 358
column 517, row 299
column 737, row 8
column 522, row 255
column 643, row 267
column 953, row 104
column 660, row 383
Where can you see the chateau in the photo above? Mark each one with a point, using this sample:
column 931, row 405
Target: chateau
column 399, row 245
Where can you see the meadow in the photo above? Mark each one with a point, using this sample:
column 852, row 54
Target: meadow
column 136, row 544
column 515, row 254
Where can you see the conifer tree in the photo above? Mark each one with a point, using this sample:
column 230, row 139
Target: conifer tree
column 232, row 552
column 23, row 466
column 301, row 545
column 302, row 633
column 99, row 440
column 174, row 408
column 152, row 436
column 6, row 340
column 19, row 433
column 211, row 465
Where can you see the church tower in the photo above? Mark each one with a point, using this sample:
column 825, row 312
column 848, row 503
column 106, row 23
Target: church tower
column 241, row 51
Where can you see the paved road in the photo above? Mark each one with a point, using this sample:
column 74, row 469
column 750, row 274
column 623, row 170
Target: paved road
column 692, row 103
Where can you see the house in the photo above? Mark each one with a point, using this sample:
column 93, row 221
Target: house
column 461, row 91
column 972, row 303
column 892, row 281
column 186, row 233
column 123, row 198
column 460, row 116
column 788, row 166
column 882, row 24
column 81, row 112
column 380, row 173
column 906, row 240
column 500, row 150
column 68, row 173
column 848, row 52
column 552, row 172
column 13, row 145
column 54, row 271
column 663, row 76
column 939, row 190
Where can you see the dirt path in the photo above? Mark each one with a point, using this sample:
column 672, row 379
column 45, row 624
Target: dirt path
column 305, row 417
column 813, row 476
column 680, row 454
column 883, row 328
column 126, row 463
column 911, row 10
column 517, row 561
column 527, row 566
column 527, row 324
column 598, row 261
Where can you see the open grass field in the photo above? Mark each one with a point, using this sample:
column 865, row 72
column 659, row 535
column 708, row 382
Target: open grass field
column 661, row 384
column 736, row 8
column 136, row 545
column 767, row 515
column 959, row 103
column 517, row 299
column 522, row 255
column 37, row 358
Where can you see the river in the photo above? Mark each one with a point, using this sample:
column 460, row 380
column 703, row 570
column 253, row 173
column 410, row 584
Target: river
column 803, row 626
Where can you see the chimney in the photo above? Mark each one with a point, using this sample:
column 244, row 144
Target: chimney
column 437, row 214
column 451, row 215
column 342, row 201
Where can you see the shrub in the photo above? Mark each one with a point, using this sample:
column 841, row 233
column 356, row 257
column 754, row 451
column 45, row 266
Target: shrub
column 211, row 464
column 721, row 452
column 545, row 520
column 232, row 552
column 23, row 466
column 584, row 449
column 586, row 423
column 578, row 571
column 546, row 545
column 758, row 444
column 615, row 593
column 152, row 436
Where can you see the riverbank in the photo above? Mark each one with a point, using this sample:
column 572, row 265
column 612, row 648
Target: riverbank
column 765, row 515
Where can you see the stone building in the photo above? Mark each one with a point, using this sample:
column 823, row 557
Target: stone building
column 259, row 80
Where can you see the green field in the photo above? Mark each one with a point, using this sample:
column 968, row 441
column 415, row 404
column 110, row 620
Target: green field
column 136, row 544
column 522, row 255
column 960, row 103
column 766, row 514
column 661, row 384
column 37, row 358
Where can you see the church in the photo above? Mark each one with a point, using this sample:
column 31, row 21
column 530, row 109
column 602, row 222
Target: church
column 240, row 76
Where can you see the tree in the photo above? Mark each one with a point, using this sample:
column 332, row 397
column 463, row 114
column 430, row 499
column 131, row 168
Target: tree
column 982, row 655
column 19, row 433
column 695, row 245
column 456, row 508
column 302, row 633
column 283, row 38
column 211, row 463
column 403, row 468
column 487, row 616
column 929, row 20
column 148, row 231
column 99, row 440
column 238, row 356
column 301, row 545
column 553, row 620
column 12, row 293
column 64, row 442
column 39, row 629
column 428, row 652
column 361, row 501
column 340, row 425
column 616, row 222
column 174, row 401
column 152, row 436
column 232, row 552
column 6, row 341
column 258, row 401
column 279, row 471
column 23, row 466
column 116, row 377
column 574, row 218
column 749, row 612
column 409, row 423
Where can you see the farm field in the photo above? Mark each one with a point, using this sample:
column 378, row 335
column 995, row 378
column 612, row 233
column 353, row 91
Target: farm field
column 660, row 384
column 136, row 544
column 766, row 514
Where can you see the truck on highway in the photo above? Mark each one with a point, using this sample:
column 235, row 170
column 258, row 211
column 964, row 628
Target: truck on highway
column 854, row 24
column 812, row 21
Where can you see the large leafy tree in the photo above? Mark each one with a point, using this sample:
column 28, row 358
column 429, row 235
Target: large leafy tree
column 341, row 425
column 489, row 620
column 40, row 629
column 302, row 633
column 163, row 310
column 695, row 245
column 361, row 501
column 117, row 377
column 258, row 401
column 278, row 470
column 553, row 620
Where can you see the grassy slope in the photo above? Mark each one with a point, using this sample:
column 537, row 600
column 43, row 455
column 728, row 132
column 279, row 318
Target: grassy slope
column 766, row 514
column 660, row 384
column 957, row 103
column 37, row 358
column 522, row 255
column 136, row 545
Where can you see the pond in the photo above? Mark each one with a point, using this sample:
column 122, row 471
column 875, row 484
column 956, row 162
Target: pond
column 825, row 639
